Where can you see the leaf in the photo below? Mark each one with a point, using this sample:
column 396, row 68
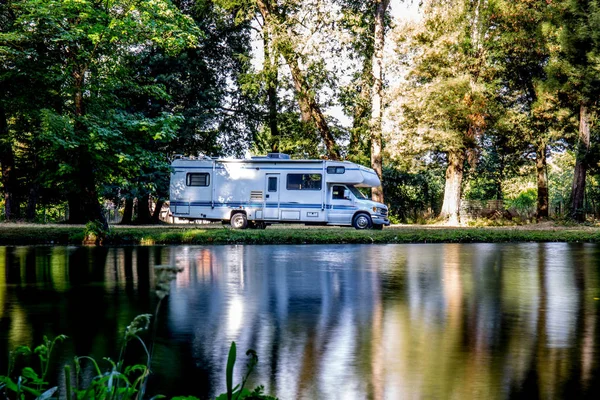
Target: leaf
column 34, row 392
column 48, row 393
column 29, row 373
column 229, row 370
column 10, row 385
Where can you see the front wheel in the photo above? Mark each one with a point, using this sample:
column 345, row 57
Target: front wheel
column 362, row 221
column 239, row 221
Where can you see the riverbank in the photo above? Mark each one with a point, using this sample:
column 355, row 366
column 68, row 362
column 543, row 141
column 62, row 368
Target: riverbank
column 30, row 234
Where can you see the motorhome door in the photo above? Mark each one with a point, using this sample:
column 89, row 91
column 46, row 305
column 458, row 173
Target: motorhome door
column 271, row 205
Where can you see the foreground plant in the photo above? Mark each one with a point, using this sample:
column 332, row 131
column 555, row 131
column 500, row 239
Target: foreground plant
column 238, row 392
column 30, row 383
column 117, row 382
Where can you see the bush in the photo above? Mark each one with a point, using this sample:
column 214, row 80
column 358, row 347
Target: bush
column 523, row 204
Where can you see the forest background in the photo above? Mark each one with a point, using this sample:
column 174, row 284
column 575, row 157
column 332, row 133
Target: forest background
column 471, row 100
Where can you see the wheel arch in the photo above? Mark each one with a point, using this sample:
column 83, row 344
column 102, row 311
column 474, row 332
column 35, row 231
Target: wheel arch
column 233, row 212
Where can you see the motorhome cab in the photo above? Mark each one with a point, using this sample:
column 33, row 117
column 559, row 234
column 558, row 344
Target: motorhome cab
column 263, row 190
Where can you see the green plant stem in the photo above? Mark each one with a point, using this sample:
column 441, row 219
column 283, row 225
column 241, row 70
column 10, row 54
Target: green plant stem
column 68, row 381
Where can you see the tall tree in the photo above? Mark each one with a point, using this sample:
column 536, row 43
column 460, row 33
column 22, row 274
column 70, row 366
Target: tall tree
column 520, row 49
column 204, row 85
column 287, row 28
column 377, row 99
column 449, row 89
column 92, row 39
column 285, row 42
column 573, row 71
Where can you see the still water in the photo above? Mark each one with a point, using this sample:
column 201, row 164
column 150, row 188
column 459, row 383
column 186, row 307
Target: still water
column 435, row 321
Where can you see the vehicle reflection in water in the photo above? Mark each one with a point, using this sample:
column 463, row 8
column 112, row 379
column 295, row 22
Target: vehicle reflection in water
column 328, row 322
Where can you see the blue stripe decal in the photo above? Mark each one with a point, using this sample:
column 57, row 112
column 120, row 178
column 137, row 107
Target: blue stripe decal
column 260, row 205
column 250, row 168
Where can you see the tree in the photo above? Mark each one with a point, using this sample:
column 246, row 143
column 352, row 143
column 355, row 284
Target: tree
column 573, row 73
column 204, row 85
column 377, row 93
column 521, row 51
column 449, row 93
column 93, row 41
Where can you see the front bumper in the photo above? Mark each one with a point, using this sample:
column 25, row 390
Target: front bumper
column 380, row 220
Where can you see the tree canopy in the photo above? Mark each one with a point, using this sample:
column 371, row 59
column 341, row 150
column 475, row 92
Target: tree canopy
column 474, row 100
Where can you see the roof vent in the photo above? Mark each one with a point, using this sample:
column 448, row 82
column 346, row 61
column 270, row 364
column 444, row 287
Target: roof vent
column 280, row 156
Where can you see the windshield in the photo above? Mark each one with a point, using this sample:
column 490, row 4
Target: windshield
column 357, row 193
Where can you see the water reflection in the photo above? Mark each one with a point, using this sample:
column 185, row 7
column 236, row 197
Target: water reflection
column 328, row 322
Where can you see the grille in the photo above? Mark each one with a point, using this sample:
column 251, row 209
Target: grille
column 256, row 195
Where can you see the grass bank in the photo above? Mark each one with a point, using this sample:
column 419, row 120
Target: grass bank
column 25, row 234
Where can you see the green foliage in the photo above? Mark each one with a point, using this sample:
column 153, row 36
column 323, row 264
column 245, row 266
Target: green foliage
column 239, row 392
column 115, row 382
column 560, row 177
column 30, row 383
column 412, row 197
column 95, row 232
column 524, row 203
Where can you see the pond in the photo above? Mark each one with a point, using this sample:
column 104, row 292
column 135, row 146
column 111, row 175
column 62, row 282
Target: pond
column 327, row 321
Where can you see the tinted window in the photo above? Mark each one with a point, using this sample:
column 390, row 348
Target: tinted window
column 197, row 179
column 272, row 184
column 338, row 193
column 304, row 182
column 336, row 170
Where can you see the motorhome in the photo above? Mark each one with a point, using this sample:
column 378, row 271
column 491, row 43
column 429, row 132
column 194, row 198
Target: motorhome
column 260, row 191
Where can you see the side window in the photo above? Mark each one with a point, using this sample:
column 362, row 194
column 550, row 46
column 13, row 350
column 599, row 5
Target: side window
column 338, row 193
column 197, row 179
column 272, row 184
column 304, row 182
column 336, row 170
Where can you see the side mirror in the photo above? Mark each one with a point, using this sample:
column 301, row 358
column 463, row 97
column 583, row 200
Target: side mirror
column 346, row 194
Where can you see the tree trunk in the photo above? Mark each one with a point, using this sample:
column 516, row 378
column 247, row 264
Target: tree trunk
column 143, row 215
column 309, row 106
column 542, row 180
column 377, row 97
column 127, row 212
column 306, row 97
column 9, row 179
column 270, row 68
column 83, row 202
column 453, row 187
column 156, row 215
column 34, row 192
column 578, row 188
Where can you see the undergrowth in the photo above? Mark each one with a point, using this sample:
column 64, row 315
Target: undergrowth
column 112, row 380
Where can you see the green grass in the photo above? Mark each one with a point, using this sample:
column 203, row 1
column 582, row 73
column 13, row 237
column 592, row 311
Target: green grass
column 11, row 234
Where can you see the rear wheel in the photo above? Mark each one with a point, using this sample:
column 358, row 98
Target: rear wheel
column 362, row 221
column 239, row 221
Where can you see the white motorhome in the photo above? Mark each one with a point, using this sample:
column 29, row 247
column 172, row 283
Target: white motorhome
column 271, row 189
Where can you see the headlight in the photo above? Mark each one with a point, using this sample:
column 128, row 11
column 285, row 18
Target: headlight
column 379, row 210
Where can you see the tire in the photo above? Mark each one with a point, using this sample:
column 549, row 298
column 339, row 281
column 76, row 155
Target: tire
column 362, row 221
column 378, row 227
column 238, row 221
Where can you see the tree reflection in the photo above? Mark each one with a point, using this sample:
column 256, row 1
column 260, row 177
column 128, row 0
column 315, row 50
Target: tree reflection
column 394, row 321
